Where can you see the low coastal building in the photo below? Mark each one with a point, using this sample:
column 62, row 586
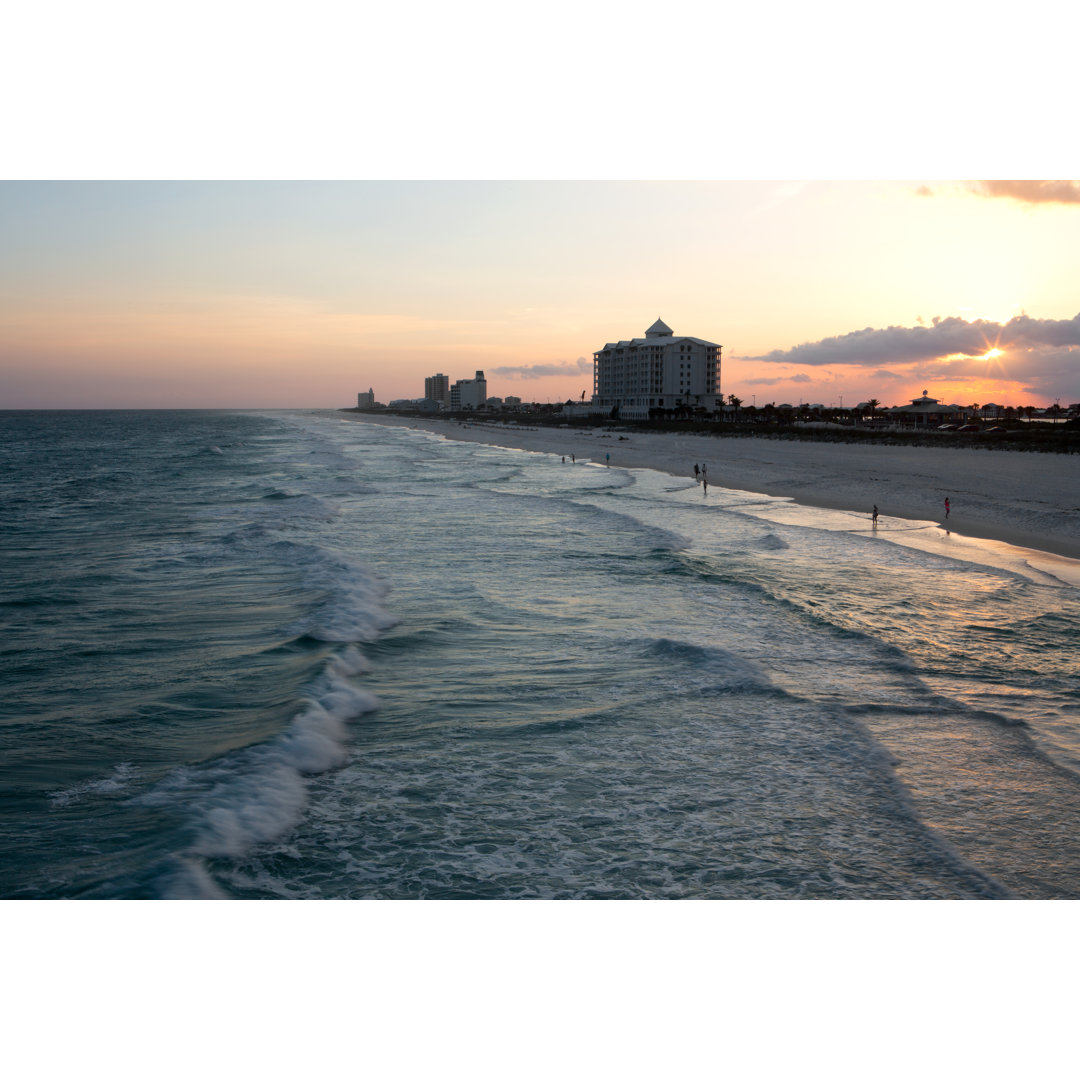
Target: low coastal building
column 925, row 412
column 634, row 379
column 469, row 393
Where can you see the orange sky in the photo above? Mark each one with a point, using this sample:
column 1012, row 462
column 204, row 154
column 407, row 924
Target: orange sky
column 244, row 293
column 250, row 294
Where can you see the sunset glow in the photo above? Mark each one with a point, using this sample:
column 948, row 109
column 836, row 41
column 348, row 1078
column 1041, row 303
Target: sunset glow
column 302, row 294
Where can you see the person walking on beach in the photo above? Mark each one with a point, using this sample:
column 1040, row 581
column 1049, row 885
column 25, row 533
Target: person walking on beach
column 697, row 472
column 946, row 507
column 607, row 458
column 875, row 516
column 704, row 484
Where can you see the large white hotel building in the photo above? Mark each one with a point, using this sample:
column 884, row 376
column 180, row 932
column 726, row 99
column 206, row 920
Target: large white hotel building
column 661, row 370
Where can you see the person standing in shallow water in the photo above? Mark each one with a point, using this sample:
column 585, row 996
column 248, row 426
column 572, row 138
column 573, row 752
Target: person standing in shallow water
column 946, row 507
column 875, row 516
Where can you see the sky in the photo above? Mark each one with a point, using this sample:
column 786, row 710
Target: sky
column 285, row 212
column 302, row 293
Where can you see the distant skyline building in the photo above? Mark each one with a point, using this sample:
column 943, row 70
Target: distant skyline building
column 469, row 393
column 662, row 370
column 437, row 388
column 366, row 401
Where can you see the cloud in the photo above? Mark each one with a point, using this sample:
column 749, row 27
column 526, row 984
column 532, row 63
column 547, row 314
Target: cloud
column 773, row 382
column 1031, row 191
column 943, row 337
column 581, row 366
column 1027, row 191
column 1041, row 355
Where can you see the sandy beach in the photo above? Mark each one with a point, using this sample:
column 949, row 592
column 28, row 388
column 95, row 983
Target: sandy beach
column 1029, row 500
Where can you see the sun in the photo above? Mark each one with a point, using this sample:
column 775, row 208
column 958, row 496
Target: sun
column 991, row 354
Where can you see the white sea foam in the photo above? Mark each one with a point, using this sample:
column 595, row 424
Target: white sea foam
column 249, row 808
column 264, row 798
column 257, row 795
column 187, row 879
column 113, row 784
column 351, row 609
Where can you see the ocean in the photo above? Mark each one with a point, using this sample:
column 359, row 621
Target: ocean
column 295, row 655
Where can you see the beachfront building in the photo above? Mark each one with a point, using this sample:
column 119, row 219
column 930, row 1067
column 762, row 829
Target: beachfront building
column 469, row 393
column 366, row 401
column 662, row 370
column 437, row 389
column 926, row 412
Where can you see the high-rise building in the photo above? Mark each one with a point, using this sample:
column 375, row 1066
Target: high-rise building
column 662, row 370
column 366, row 401
column 469, row 393
column 437, row 388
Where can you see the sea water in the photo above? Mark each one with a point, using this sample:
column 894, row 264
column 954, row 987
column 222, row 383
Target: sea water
column 296, row 655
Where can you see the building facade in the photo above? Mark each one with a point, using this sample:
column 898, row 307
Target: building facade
column 437, row 388
column 925, row 412
column 662, row 370
column 366, row 401
column 469, row 393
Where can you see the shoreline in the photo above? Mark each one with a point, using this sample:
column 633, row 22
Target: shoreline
column 999, row 495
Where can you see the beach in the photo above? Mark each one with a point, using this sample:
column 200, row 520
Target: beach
column 1029, row 500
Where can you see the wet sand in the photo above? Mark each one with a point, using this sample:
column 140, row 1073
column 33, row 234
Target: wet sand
column 1030, row 500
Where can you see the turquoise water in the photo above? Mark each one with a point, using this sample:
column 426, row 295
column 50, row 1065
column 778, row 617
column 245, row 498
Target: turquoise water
column 295, row 655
